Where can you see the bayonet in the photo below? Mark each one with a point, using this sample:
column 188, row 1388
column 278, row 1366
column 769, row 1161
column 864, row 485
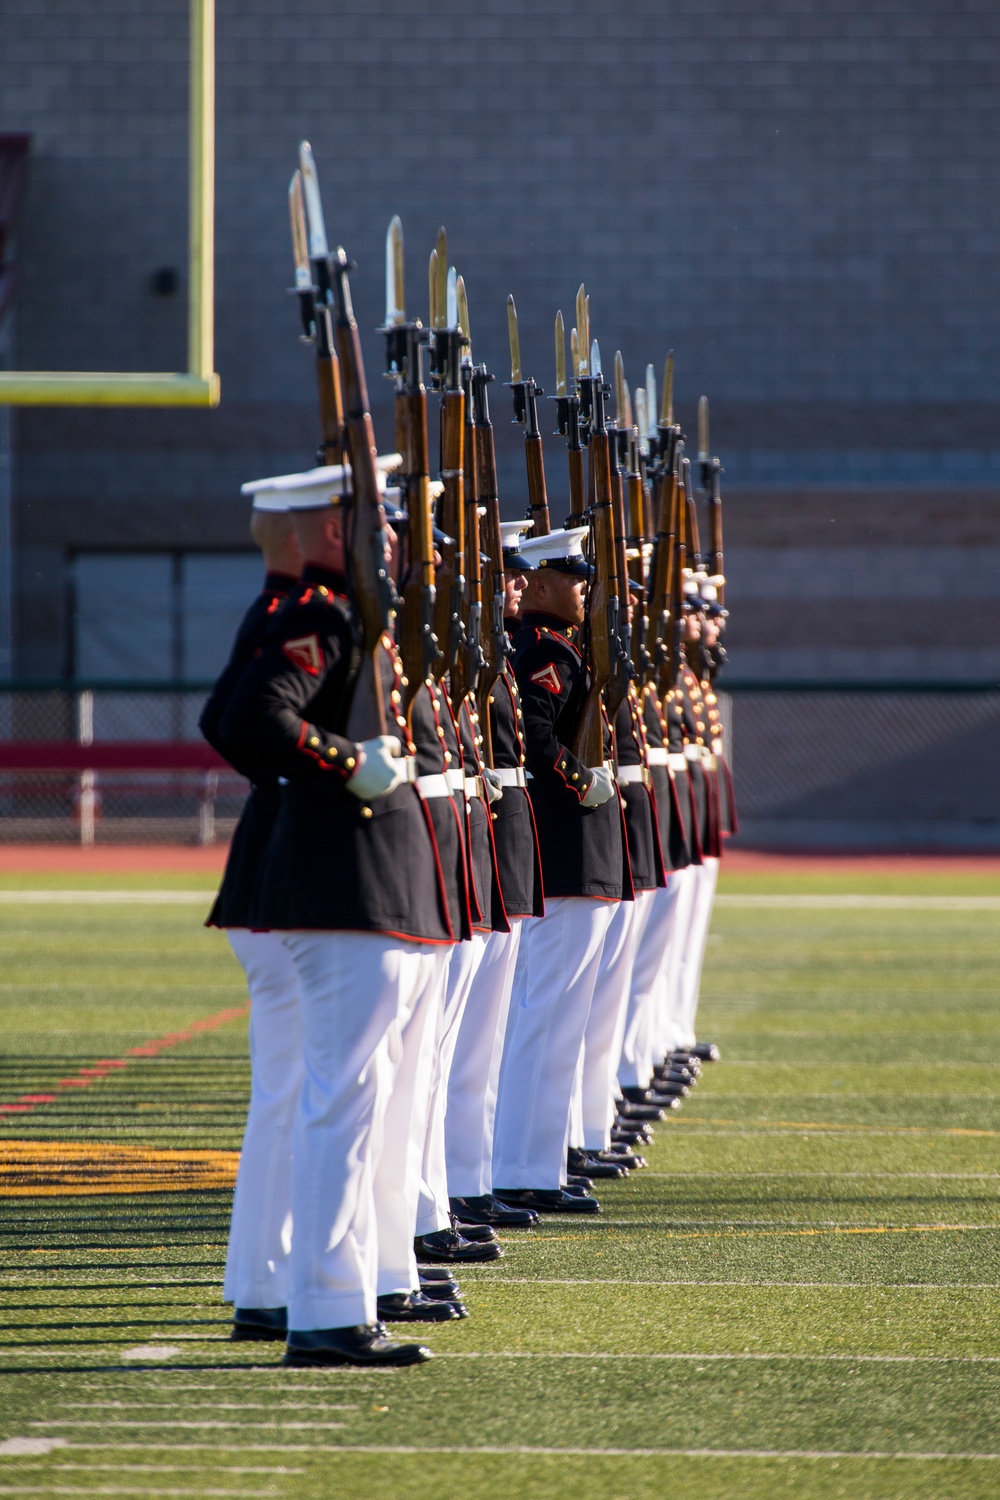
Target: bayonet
column 583, row 333
column 641, row 421
column 395, row 301
column 595, row 359
column 620, row 391
column 650, row 427
column 433, row 283
column 300, row 244
column 515, row 342
column 574, row 351
column 560, row 357
column 462, row 303
column 451, row 299
column 318, row 245
column 441, row 292
column 703, row 449
column 667, row 408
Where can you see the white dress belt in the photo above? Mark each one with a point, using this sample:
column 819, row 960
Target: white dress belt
column 658, row 756
column 627, row 774
column 473, row 786
column 434, row 785
column 512, row 775
column 692, row 752
column 677, row 762
column 456, row 780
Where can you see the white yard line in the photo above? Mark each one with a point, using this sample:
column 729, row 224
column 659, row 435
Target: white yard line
column 863, row 903
column 104, row 898
column 592, row 1452
column 936, row 1176
column 749, row 1286
column 857, row 1359
column 125, row 1422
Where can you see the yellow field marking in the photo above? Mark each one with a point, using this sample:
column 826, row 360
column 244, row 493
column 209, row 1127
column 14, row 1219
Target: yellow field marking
column 822, row 1125
column 59, row 1169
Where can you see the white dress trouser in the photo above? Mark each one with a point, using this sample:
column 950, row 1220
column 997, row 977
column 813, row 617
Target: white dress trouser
column 399, row 1176
column 641, row 1048
column 594, row 1109
column 355, row 988
column 693, row 955
column 260, row 1233
column 475, row 1068
column 557, row 966
column 463, row 961
column 671, row 1000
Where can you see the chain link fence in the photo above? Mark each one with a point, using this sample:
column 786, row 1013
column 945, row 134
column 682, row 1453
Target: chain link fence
column 815, row 765
column 145, row 785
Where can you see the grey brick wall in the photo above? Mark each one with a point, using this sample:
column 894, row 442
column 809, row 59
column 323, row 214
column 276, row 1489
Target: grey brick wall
column 801, row 200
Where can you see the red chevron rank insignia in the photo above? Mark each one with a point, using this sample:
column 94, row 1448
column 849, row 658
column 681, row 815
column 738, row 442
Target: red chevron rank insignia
column 548, row 677
column 305, row 653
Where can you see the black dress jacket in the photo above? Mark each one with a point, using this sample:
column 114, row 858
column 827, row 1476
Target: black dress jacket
column 250, row 839
column 334, row 863
column 644, row 855
column 514, row 836
column 434, row 736
column 583, row 849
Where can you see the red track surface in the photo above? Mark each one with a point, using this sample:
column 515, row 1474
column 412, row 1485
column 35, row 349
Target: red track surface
column 141, row 859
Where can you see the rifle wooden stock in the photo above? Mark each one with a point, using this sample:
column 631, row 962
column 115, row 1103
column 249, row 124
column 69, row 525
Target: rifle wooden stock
column 331, row 406
column 617, row 686
column 574, row 456
column 588, row 741
column 670, row 664
column 465, row 671
column 716, row 562
column 538, row 499
column 451, row 518
column 638, row 530
column 661, row 575
column 492, row 634
column 416, row 638
column 372, row 592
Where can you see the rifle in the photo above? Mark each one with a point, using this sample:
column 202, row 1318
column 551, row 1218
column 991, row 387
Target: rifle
column 466, row 671
column 639, row 527
column 526, row 394
column 404, row 365
column 314, row 289
column 446, row 351
column 568, row 422
column 618, row 687
column 368, row 579
column 711, row 469
column 493, row 636
column 601, row 631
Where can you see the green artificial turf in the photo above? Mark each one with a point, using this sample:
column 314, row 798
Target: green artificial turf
column 806, row 1273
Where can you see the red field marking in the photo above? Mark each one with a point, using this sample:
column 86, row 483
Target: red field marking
column 86, row 1076
column 112, row 859
column 853, row 862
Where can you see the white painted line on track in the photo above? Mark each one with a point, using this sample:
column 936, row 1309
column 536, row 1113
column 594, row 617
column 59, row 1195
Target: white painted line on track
column 749, row 1286
column 63, row 1489
column 856, row 1359
column 104, row 898
column 125, row 1422
column 692, row 1176
column 861, row 903
column 591, row 1452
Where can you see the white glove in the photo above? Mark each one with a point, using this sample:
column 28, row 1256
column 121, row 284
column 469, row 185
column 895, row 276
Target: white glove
column 601, row 789
column 492, row 785
column 379, row 769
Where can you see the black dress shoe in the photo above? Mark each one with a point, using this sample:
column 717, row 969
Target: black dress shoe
column 557, row 1201
column 706, row 1052
column 662, row 1093
column 485, row 1209
column 261, row 1323
column 414, row 1307
column 596, row 1164
column 629, row 1111
column 578, row 1181
column 617, row 1156
column 365, row 1344
column 447, row 1247
column 477, row 1234
column 674, row 1075
column 439, row 1291
column 683, row 1059
column 436, row 1273
column 623, row 1135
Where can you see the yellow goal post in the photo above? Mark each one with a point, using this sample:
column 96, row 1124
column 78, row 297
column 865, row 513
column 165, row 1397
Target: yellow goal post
column 199, row 384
